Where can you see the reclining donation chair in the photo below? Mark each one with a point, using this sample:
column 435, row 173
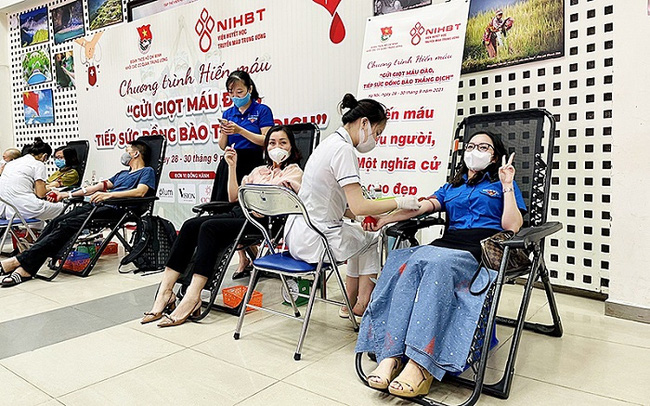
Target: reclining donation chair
column 81, row 147
column 530, row 134
column 307, row 138
column 273, row 201
column 134, row 209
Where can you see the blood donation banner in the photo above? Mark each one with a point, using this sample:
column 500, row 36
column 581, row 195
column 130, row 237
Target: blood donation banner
column 166, row 73
column 411, row 63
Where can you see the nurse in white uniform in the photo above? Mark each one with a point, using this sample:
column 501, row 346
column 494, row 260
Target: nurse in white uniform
column 331, row 189
column 23, row 184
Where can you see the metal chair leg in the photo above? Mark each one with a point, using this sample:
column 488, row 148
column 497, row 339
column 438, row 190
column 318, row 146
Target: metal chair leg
column 247, row 298
column 305, row 323
column 296, row 312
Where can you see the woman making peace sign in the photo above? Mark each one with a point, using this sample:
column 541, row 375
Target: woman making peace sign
column 422, row 313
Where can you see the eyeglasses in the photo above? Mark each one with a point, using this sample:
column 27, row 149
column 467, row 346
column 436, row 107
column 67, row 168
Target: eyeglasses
column 483, row 147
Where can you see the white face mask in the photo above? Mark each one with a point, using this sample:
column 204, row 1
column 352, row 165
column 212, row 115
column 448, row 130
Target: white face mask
column 477, row 160
column 278, row 155
column 366, row 141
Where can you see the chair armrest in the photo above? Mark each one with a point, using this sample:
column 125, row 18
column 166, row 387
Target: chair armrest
column 214, row 207
column 409, row 227
column 74, row 199
column 130, row 201
column 531, row 235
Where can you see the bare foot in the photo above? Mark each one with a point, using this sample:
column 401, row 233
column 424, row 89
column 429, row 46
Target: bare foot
column 9, row 264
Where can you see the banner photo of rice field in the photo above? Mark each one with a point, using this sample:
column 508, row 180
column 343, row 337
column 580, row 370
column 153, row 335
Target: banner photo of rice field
column 509, row 32
column 37, row 67
column 103, row 13
column 64, row 67
column 68, row 22
column 34, row 27
column 38, row 107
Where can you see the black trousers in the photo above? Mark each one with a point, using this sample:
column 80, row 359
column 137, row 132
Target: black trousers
column 247, row 160
column 58, row 232
column 208, row 236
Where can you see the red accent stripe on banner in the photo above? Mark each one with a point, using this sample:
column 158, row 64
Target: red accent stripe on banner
column 191, row 175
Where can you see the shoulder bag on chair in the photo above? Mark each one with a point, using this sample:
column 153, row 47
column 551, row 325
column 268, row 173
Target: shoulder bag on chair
column 492, row 253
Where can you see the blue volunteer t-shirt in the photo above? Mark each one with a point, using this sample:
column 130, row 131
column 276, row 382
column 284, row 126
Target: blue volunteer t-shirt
column 253, row 119
column 126, row 180
column 477, row 206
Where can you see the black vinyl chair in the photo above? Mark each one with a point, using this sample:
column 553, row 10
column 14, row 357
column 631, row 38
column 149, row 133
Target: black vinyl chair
column 134, row 208
column 82, row 148
column 307, row 139
column 530, row 135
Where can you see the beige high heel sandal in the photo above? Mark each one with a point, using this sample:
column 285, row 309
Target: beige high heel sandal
column 410, row 389
column 377, row 381
column 169, row 307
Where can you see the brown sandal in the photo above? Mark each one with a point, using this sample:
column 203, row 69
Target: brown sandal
column 411, row 389
column 169, row 307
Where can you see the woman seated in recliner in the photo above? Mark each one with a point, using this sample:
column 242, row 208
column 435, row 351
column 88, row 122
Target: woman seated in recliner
column 207, row 235
column 421, row 317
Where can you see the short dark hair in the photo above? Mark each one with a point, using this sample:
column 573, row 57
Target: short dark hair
column 39, row 147
column 374, row 111
column 245, row 78
column 492, row 169
column 295, row 155
column 142, row 148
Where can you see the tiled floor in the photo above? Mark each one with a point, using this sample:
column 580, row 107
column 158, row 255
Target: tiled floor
column 78, row 342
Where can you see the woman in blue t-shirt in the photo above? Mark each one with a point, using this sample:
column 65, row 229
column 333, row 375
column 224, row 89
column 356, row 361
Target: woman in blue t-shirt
column 422, row 314
column 243, row 127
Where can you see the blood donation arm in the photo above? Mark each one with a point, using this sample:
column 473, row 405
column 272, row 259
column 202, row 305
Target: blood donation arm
column 360, row 206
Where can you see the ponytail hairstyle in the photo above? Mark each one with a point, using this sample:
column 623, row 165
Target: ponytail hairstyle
column 39, row 147
column 374, row 111
column 245, row 78
column 492, row 169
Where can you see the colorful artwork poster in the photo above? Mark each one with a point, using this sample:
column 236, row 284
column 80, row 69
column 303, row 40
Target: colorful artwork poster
column 37, row 67
column 104, row 12
column 34, row 27
column 509, row 32
column 391, row 6
column 68, row 22
column 38, row 107
column 64, row 67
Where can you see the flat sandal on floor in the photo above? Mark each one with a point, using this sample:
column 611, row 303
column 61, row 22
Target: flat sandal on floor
column 14, row 279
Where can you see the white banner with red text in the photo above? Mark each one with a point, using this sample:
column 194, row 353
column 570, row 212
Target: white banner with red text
column 165, row 74
column 411, row 63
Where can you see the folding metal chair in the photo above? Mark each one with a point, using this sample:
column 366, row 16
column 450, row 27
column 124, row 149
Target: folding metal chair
column 530, row 135
column 307, row 137
column 273, row 201
column 11, row 226
column 134, row 208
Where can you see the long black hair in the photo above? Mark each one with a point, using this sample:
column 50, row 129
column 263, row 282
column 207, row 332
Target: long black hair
column 39, row 147
column 245, row 78
column 294, row 157
column 374, row 111
column 492, row 169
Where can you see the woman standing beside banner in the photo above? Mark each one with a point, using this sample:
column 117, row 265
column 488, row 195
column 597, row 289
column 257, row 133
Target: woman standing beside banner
column 243, row 127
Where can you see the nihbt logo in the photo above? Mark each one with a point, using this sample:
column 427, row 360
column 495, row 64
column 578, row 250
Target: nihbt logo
column 203, row 28
column 145, row 38
column 416, row 33
column 386, row 32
